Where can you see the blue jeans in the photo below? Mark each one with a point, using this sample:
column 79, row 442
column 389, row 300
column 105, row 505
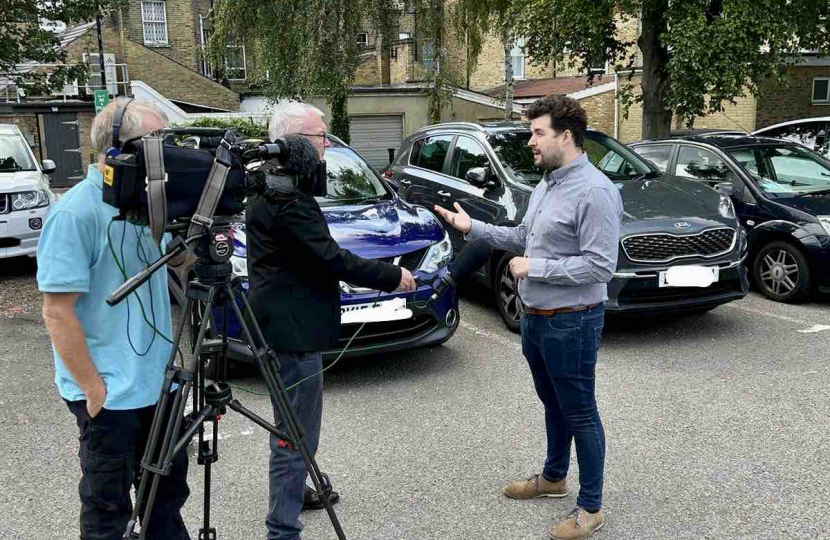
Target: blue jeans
column 287, row 472
column 561, row 351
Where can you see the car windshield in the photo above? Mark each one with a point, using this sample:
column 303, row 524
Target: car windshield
column 14, row 156
column 516, row 157
column 784, row 170
column 608, row 155
column 617, row 161
column 350, row 179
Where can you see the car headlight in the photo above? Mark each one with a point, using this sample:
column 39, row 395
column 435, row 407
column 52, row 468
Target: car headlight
column 27, row 200
column 825, row 222
column 438, row 256
column 725, row 207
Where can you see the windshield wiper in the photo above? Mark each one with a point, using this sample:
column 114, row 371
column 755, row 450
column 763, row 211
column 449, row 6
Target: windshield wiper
column 819, row 192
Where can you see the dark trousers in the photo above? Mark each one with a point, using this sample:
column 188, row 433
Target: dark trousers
column 287, row 472
column 111, row 448
column 561, row 351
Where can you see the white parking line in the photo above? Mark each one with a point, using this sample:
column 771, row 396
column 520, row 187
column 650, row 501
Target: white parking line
column 767, row 314
column 816, row 328
column 495, row 337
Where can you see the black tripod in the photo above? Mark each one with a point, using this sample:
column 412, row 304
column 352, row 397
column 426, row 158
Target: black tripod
column 213, row 287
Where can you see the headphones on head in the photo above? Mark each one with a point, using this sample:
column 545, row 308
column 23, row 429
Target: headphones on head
column 117, row 117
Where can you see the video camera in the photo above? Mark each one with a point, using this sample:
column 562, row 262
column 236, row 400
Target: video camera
column 183, row 175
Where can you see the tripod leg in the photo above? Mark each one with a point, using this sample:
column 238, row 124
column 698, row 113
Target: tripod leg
column 279, row 397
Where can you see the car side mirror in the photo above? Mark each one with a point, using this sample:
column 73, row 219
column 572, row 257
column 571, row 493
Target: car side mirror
column 725, row 188
column 481, row 177
column 48, row 166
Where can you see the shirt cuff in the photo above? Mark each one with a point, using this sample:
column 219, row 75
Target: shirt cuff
column 537, row 268
column 476, row 231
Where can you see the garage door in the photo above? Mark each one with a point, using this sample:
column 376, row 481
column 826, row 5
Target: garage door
column 372, row 136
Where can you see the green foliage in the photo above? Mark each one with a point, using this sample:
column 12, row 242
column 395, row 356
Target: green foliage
column 244, row 127
column 22, row 39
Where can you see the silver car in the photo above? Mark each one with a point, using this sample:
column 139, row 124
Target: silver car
column 25, row 197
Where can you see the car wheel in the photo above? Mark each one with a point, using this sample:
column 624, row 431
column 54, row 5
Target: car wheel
column 781, row 272
column 506, row 293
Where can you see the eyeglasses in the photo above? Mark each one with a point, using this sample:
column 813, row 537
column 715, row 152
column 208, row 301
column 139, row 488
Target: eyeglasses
column 323, row 135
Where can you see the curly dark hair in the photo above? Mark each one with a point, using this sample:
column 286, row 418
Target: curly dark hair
column 565, row 113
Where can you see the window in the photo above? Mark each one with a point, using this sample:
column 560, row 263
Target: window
column 515, row 156
column 430, row 153
column 813, row 135
column 467, row 155
column 154, row 17
column 784, row 170
column 427, row 56
column 349, row 179
column 705, row 166
column 14, row 156
column 362, row 40
column 618, row 162
column 821, row 90
column 94, row 80
column 659, row 155
column 517, row 57
column 235, row 63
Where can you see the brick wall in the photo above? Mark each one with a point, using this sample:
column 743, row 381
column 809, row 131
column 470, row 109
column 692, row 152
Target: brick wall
column 176, row 81
column 400, row 67
column 600, row 110
column 182, row 29
column 368, row 71
column 792, row 100
column 28, row 124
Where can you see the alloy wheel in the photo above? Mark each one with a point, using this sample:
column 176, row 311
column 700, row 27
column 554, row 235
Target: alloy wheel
column 779, row 272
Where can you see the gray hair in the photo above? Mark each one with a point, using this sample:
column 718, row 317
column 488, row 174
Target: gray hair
column 131, row 122
column 288, row 118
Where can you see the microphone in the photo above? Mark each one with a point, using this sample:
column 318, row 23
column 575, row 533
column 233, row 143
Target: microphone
column 472, row 256
column 296, row 154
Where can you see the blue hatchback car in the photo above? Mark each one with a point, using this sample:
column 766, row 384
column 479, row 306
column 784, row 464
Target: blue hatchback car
column 368, row 218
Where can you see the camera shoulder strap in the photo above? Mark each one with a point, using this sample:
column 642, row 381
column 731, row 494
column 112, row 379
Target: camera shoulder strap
column 156, row 180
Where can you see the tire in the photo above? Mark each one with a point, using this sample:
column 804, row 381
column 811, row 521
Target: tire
column 506, row 294
column 781, row 272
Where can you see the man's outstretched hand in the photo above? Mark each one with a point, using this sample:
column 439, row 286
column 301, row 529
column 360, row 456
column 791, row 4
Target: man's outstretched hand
column 459, row 219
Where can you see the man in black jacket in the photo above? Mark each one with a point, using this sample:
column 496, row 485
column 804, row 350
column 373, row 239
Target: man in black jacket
column 295, row 267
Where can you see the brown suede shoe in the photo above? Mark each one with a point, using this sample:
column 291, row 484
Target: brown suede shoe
column 536, row 486
column 578, row 525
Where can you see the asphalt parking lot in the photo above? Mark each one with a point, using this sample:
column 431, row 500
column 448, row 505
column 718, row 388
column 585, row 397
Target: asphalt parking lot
column 717, row 427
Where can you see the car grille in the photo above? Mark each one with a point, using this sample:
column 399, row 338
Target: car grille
column 4, row 204
column 411, row 261
column 386, row 332
column 664, row 247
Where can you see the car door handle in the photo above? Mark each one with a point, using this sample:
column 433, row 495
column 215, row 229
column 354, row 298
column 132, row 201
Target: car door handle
column 405, row 182
column 444, row 194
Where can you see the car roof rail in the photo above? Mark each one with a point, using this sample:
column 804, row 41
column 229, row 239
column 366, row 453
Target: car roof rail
column 451, row 125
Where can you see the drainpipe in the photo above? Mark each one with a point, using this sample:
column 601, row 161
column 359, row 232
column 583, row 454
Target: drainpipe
column 617, row 106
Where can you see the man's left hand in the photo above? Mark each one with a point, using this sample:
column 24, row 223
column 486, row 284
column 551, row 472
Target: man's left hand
column 519, row 267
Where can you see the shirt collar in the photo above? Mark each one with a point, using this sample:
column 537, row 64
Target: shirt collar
column 94, row 175
column 556, row 176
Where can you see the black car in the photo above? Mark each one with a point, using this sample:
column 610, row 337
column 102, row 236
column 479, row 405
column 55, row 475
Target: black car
column 781, row 192
column 669, row 222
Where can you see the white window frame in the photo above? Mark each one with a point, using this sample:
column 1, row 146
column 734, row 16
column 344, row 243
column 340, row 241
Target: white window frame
column 518, row 45
column 826, row 100
column 145, row 22
column 244, row 64
column 365, row 41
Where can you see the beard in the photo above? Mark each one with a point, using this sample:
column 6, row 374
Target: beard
column 552, row 160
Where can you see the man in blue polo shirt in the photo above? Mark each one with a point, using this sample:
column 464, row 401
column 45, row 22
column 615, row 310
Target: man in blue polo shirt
column 109, row 362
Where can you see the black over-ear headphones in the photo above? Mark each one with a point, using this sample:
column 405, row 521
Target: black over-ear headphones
column 117, row 117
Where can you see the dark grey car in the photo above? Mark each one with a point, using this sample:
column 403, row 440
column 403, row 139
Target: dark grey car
column 668, row 222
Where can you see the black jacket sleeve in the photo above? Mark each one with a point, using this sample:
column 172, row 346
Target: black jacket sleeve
column 303, row 221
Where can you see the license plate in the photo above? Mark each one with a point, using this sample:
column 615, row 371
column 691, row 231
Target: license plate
column 689, row 276
column 385, row 310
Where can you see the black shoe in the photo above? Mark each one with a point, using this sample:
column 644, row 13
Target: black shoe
column 312, row 502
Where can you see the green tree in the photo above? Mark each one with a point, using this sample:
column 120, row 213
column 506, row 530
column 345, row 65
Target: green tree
column 25, row 37
column 697, row 55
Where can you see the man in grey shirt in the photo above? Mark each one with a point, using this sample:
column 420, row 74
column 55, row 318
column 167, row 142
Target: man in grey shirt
column 569, row 237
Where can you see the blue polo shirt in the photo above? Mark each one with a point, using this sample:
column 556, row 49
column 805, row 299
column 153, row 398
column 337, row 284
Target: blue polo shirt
column 75, row 255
